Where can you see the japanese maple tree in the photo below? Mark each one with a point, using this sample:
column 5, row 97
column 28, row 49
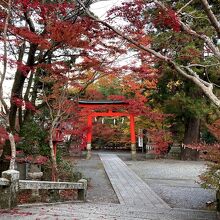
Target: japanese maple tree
column 51, row 48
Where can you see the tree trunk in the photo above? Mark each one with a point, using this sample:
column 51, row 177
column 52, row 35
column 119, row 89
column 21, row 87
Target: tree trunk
column 18, row 87
column 9, row 149
column 52, row 154
column 4, row 164
column 191, row 136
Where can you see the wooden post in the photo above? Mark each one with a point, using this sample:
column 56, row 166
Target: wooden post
column 133, row 139
column 89, row 137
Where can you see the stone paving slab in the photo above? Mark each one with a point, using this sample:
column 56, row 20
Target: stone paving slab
column 88, row 211
column 130, row 188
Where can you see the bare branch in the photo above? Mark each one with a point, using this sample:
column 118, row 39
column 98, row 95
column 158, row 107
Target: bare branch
column 47, row 103
column 191, row 32
column 207, row 75
column 207, row 89
column 29, row 22
column 205, row 38
column 202, row 65
column 188, row 3
column 4, row 105
column 212, row 18
column 209, row 85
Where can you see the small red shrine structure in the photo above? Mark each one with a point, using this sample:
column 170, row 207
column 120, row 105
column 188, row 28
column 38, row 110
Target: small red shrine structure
column 109, row 108
column 57, row 138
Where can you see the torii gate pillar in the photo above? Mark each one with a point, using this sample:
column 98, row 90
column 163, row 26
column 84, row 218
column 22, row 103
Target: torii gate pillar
column 132, row 133
column 89, row 138
column 133, row 139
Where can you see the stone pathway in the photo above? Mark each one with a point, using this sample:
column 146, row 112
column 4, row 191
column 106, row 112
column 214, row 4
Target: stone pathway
column 130, row 188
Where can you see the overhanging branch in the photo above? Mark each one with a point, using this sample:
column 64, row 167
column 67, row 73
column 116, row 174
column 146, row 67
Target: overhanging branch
column 212, row 18
column 118, row 32
column 186, row 28
column 206, row 87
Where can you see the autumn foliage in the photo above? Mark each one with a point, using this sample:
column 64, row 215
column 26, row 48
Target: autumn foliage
column 167, row 18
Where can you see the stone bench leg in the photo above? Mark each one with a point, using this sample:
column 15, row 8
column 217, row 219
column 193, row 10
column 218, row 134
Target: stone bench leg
column 82, row 192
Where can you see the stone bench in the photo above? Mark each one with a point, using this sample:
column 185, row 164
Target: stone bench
column 81, row 186
column 10, row 185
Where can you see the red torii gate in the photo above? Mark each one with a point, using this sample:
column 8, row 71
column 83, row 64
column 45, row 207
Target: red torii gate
column 92, row 105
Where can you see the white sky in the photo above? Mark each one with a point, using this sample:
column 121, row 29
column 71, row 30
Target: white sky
column 101, row 7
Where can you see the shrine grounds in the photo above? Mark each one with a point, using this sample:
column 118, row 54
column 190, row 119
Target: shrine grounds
column 175, row 181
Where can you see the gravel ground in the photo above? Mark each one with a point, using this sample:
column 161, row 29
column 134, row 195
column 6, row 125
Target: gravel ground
column 173, row 180
column 100, row 189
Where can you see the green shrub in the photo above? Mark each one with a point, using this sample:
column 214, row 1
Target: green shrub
column 66, row 172
column 34, row 139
